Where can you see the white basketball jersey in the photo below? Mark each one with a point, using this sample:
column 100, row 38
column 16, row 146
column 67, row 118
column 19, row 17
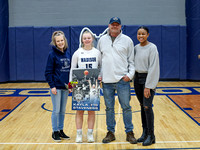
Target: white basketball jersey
column 88, row 58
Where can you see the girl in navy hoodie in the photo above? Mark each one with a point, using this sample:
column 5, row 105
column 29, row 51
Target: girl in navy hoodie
column 57, row 75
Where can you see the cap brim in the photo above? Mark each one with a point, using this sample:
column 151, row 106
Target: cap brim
column 114, row 21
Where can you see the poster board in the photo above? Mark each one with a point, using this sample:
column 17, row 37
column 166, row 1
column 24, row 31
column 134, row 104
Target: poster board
column 86, row 93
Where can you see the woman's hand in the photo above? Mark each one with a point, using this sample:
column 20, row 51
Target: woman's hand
column 70, row 90
column 54, row 91
column 147, row 93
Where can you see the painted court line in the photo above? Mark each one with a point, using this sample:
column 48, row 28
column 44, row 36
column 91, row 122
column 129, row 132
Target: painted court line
column 95, row 143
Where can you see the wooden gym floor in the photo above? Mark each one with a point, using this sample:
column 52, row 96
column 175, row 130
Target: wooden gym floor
column 25, row 119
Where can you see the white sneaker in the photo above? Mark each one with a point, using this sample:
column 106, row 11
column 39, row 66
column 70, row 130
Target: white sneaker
column 79, row 137
column 90, row 137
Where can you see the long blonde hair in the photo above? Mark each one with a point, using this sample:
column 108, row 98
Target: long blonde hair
column 58, row 33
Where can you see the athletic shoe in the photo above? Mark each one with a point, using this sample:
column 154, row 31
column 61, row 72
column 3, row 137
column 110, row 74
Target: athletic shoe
column 55, row 136
column 79, row 137
column 63, row 135
column 90, row 137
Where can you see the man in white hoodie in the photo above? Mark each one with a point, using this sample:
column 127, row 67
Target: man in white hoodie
column 117, row 70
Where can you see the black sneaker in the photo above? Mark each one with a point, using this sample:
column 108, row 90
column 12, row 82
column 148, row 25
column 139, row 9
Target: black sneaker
column 55, row 136
column 109, row 137
column 63, row 135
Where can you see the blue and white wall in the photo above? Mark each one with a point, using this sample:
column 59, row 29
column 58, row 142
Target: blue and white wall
column 31, row 24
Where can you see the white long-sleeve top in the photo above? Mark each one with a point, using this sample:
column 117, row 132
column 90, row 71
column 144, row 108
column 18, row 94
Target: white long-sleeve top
column 117, row 57
column 85, row 59
column 147, row 61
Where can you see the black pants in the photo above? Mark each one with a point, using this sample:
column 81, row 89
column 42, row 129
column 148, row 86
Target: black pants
column 147, row 114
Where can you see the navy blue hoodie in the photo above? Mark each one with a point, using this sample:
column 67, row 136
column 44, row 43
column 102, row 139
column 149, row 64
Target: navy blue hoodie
column 58, row 68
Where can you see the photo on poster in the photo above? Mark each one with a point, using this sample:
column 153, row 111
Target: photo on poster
column 86, row 93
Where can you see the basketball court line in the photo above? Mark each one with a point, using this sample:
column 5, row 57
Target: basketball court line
column 13, row 109
column 183, row 110
column 158, row 142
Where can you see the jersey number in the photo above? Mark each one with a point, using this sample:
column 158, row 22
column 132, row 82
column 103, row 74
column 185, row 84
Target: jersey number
column 88, row 65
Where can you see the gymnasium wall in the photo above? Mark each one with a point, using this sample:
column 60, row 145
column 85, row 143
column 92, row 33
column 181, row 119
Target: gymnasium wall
column 29, row 48
column 95, row 12
column 31, row 24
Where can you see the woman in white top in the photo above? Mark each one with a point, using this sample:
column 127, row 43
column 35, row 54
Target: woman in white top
column 85, row 57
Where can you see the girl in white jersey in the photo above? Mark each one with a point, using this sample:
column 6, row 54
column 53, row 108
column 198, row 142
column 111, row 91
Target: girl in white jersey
column 93, row 57
column 146, row 79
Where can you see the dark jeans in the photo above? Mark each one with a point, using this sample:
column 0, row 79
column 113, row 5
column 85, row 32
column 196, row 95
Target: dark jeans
column 147, row 114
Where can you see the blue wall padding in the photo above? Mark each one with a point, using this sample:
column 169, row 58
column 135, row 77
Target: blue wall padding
column 75, row 31
column 4, row 53
column 42, row 38
column 193, row 38
column 183, row 53
column 131, row 31
column 12, row 54
column 25, row 53
column 29, row 48
column 170, row 52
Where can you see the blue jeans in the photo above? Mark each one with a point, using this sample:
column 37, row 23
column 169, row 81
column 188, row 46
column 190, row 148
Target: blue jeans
column 59, row 102
column 123, row 92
